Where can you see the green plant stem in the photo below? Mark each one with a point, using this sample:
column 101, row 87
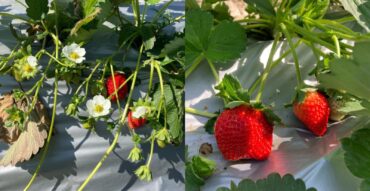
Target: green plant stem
column 258, row 26
column 310, row 36
column 16, row 17
column 136, row 10
column 250, row 20
column 51, row 129
column 150, row 80
column 119, row 129
column 119, row 15
column 196, row 63
column 274, row 64
column 294, row 53
column 115, row 87
column 88, row 79
column 38, row 84
column 268, row 67
column 162, row 97
column 337, row 45
column 214, row 71
column 151, row 149
column 123, row 84
column 314, row 48
column 345, row 19
column 199, row 112
column 55, row 59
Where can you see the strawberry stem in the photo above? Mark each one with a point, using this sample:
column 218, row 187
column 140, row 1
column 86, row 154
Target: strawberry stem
column 161, row 84
column 51, row 129
column 199, row 112
column 151, row 149
column 337, row 45
column 150, row 80
column 274, row 64
column 309, row 36
column 268, row 67
column 115, row 86
column 214, row 71
column 294, row 53
column 118, row 133
column 196, row 63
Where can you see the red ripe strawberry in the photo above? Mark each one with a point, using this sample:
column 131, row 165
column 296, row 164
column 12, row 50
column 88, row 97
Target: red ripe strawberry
column 133, row 122
column 313, row 112
column 243, row 132
column 119, row 80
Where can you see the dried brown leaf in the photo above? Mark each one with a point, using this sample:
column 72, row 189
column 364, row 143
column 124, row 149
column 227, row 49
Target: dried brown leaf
column 31, row 139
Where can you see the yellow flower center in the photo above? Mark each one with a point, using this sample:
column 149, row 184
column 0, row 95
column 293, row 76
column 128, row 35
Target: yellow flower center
column 74, row 56
column 28, row 68
column 98, row 108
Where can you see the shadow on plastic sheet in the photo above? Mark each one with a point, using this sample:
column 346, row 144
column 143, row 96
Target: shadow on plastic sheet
column 60, row 161
column 172, row 154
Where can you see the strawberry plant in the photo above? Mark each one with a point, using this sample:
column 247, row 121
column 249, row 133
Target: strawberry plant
column 58, row 33
column 340, row 68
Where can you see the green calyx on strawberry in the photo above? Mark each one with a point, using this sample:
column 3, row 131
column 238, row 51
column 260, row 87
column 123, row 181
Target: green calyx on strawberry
column 139, row 113
column 337, row 102
column 244, row 129
column 312, row 108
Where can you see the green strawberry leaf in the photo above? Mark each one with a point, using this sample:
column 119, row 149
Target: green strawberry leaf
column 274, row 182
column 271, row 116
column 360, row 9
column 263, row 6
column 36, row 8
column 203, row 166
column 196, row 171
column 233, row 104
column 231, row 90
column 148, row 35
column 350, row 75
column 365, row 185
column 357, row 155
column 226, row 41
column 173, row 48
column 356, row 107
column 219, row 43
column 210, row 125
column 88, row 6
column 173, row 103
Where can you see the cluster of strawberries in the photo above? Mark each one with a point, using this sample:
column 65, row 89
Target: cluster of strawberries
column 243, row 132
column 112, row 84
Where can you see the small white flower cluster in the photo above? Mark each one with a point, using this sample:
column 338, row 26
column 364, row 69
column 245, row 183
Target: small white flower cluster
column 98, row 106
column 25, row 68
column 30, row 67
column 74, row 53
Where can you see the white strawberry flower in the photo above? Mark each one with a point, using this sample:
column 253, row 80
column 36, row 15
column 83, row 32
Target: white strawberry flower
column 140, row 112
column 29, row 67
column 74, row 53
column 98, row 106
